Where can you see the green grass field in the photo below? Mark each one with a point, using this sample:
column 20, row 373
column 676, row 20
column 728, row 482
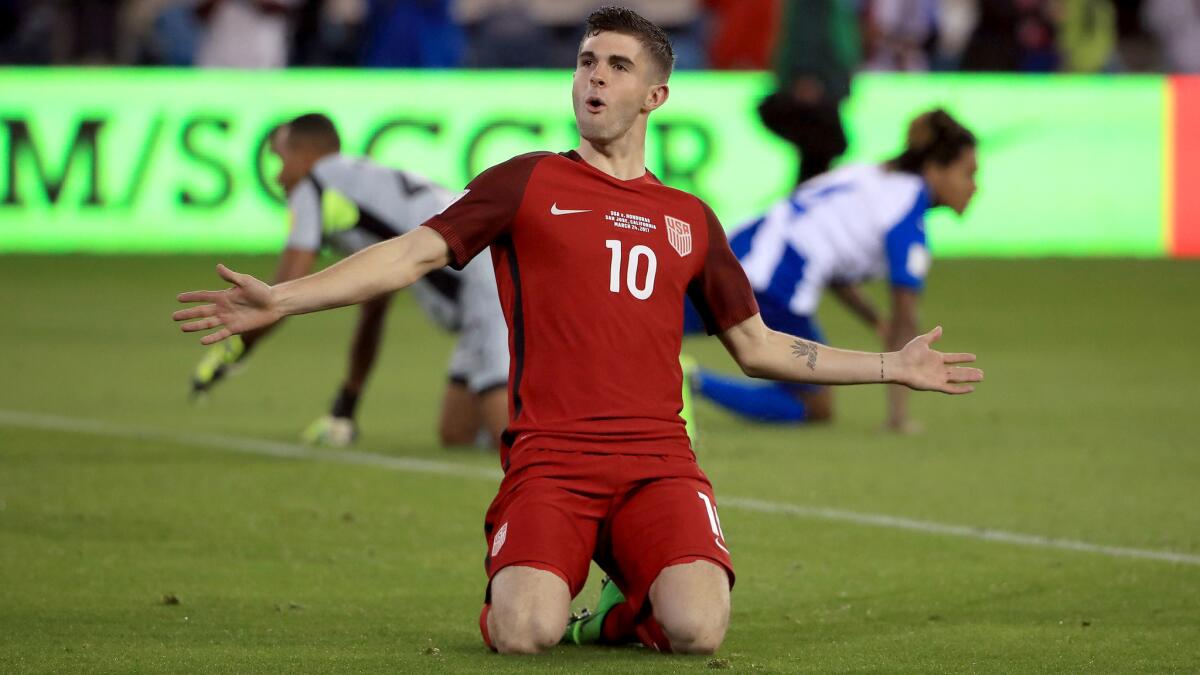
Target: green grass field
column 118, row 493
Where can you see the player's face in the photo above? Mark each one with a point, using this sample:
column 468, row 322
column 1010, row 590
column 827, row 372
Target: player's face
column 615, row 82
column 953, row 184
column 294, row 165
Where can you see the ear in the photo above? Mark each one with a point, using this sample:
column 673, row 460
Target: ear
column 656, row 97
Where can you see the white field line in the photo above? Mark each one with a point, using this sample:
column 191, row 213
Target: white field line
column 252, row 446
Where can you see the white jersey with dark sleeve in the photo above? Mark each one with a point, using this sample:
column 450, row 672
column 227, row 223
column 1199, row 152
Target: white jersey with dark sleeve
column 853, row 224
column 348, row 204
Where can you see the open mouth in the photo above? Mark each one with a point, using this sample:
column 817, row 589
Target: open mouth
column 594, row 104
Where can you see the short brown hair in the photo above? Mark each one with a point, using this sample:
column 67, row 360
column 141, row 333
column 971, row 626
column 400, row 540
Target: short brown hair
column 316, row 130
column 933, row 136
column 628, row 22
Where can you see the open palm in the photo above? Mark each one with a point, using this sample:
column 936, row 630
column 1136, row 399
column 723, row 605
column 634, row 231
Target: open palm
column 246, row 306
column 926, row 369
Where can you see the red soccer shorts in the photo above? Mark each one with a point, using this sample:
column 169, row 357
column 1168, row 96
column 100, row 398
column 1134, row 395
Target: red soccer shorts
column 632, row 514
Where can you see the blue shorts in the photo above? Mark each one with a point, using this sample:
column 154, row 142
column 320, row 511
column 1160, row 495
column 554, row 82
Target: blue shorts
column 777, row 318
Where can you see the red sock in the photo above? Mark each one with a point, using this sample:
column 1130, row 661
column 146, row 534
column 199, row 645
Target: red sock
column 487, row 639
column 622, row 625
column 651, row 634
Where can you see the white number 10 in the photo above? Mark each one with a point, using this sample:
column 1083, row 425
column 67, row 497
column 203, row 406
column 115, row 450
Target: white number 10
column 636, row 254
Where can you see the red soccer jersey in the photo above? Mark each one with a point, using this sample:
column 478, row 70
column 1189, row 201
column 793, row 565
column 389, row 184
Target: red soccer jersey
column 592, row 273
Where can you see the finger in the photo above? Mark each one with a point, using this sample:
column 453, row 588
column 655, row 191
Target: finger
column 203, row 324
column 229, row 275
column 959, row 357
column 194, row 312
column 932, row 336
column 956, row 389
column 197, row 296
column 959, row 374
column 213, row 338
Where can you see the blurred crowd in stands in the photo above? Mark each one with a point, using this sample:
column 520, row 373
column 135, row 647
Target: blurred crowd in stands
column 822, row 38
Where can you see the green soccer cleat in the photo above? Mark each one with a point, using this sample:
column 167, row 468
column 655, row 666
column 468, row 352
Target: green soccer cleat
column 221, row 360
column 588, row 627
column 330, row 431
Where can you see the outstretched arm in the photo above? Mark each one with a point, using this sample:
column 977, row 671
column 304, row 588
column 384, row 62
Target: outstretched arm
column 251, row 304
column 762, row 352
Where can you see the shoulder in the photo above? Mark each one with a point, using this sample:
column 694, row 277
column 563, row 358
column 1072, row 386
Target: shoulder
column 898, row 186
column 331, row 165
column 694, row 211
column 900, row 195
column 510, row 176
column 522, row 163
column 674, row 198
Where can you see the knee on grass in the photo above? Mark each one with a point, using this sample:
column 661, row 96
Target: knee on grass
column 695, row 634
column 524, row 631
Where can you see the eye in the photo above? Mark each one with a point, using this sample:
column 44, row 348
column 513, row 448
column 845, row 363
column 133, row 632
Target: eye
column 621, row 67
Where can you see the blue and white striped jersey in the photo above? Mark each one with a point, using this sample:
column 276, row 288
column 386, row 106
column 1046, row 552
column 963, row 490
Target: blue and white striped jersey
column 856, row 223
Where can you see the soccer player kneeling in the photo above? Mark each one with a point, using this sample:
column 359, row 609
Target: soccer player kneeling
column 593, row 258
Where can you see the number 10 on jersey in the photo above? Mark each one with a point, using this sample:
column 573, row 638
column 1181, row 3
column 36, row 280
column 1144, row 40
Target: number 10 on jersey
column 637, row 254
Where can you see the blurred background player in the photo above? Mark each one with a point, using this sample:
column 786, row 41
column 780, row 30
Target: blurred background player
column 348, row 204
column 851, row 225
column 817, row 51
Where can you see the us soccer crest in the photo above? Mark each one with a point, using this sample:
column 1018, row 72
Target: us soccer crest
column 679, row 234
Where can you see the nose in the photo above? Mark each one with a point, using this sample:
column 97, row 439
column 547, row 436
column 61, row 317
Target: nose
column 597, row 77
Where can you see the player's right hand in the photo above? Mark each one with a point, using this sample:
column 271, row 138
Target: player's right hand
column 246, row 306
column 219, row 361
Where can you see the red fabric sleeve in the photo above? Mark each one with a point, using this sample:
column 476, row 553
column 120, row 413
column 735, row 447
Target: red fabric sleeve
column 721, row 292
column 486, row 211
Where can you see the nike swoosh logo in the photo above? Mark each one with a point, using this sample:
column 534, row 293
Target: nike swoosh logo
column 555, row 211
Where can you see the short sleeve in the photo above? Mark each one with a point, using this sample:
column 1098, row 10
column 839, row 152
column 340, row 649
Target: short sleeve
column 907, row 254
column 486, row 211
column 304, row 211
column 720, row 291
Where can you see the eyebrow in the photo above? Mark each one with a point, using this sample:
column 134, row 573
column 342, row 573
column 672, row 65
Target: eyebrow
column 615, row 58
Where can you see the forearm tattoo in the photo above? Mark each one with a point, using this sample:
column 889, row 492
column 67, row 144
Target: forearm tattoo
column 881, row 377
column 804, row 348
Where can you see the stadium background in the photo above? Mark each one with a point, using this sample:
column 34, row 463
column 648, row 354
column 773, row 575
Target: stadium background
column 1047, row 523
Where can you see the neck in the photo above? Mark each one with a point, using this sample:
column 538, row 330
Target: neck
column 623, row 158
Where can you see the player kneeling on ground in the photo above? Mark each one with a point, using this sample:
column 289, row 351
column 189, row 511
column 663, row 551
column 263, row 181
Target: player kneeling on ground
column 593, row 258
column 348, row 204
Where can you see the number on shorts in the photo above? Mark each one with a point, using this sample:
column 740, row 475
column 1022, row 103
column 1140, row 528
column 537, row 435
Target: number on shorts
column 714, row 521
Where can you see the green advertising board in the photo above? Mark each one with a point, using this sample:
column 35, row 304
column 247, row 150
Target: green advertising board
column 162, row 160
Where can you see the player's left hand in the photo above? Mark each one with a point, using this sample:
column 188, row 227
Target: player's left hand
column 926, row 369
column 246, row 306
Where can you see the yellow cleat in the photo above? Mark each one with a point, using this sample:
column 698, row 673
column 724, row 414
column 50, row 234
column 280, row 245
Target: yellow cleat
column 219, row 361
column 330, row 431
